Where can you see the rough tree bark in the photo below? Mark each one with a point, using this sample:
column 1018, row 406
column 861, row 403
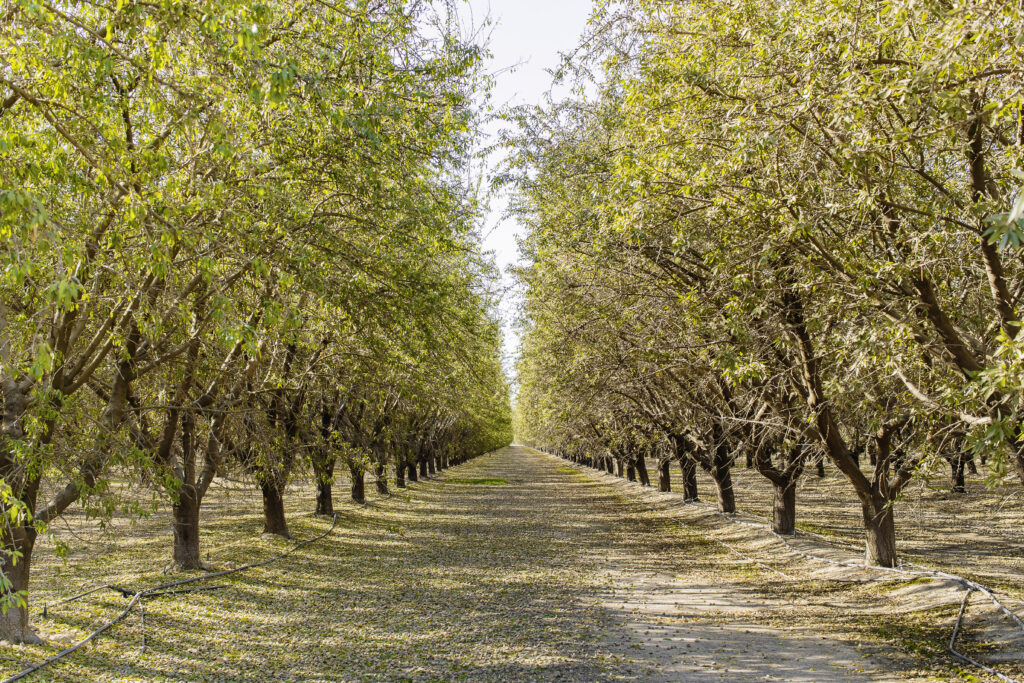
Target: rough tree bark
column 358, row 482
column 664, row 475
column 186, row 528
column 14, row 624
column 689, row 471
column 323, row 470
column 880, row 529
column 273, row 510
column 784, row 508
column 641, row 470
column 400, row 473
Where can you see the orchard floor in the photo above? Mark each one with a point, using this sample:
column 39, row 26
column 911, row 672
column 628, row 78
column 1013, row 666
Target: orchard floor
column 513, row 567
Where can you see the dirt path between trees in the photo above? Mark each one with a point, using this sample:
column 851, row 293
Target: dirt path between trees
column 670, row 606
column 513, row 567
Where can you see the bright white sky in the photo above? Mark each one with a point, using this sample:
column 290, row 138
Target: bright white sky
column 525, row 40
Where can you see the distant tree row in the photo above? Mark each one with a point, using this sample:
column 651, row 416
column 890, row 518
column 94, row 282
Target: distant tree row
column 783, row 232
column 236, row 237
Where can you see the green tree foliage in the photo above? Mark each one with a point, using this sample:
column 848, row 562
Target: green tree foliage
column 787, row 231
column 225, row 226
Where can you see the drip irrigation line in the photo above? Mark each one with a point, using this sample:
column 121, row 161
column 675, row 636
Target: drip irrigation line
column 923, row 572
column 963, row 657
column 163, row 589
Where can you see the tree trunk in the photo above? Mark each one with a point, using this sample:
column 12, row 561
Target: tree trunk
column 186, row 529
column 273, row 511
column 664, row 475
column 382, row 479
column 358, row 483
column 880, row 532
column 411, row 468
column 324, row 499
column 956, row 466
column 723, row 483
column 618, row 467
column 631, row 471
column 641, row 470
column 423, row 466
column 323, row 470
column 689, row 470
column 399, row 474
column 821, row 466
column 14, row 624
column 784, row 508
column 430, row 465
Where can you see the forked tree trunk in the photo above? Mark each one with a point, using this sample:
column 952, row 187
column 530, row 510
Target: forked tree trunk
column 14, row 624
column 641, row 470
column 186, row 529
column 273, row 510
column 784, row 507
column 689, row 471
column 664, row 475
column 382, row 479
column 324, row 498
column 880, row 533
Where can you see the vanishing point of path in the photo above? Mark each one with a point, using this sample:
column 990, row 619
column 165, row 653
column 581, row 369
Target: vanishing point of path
column 512, row 567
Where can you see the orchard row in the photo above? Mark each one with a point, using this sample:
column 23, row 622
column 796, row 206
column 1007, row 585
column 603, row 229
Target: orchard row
column 238, row 238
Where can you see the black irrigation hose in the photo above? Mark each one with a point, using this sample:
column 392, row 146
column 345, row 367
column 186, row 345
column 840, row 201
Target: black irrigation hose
column 162, row 589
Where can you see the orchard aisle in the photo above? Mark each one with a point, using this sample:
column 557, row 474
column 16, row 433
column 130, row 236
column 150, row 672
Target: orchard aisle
column 512, row 567
column 581, row 584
